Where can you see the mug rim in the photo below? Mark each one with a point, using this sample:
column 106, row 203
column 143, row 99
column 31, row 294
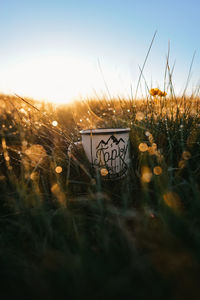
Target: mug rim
column 104, row 130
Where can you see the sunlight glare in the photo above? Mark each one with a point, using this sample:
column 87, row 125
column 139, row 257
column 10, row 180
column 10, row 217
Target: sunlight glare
column 59, row 79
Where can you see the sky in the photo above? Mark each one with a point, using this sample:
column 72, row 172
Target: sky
column 62, row 51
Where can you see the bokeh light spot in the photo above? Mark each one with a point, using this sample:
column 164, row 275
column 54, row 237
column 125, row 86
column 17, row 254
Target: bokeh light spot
column 147, row 133
column 61, row 198
column 104, row 172
column 143, row 147
column 34, row 176
column 58, row 169
column 146, row 174
column 54, row 123
column 186, row 155
column 157, row 170
column 182, row 164
column 36, row 153
column 139, row 116
column 152, row 151
column 7, row 158
column 172, row 200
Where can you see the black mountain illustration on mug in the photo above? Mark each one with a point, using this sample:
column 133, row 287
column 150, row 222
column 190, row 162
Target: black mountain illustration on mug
column 113, row 139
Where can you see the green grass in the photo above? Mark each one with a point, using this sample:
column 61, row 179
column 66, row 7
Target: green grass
column 72, row 235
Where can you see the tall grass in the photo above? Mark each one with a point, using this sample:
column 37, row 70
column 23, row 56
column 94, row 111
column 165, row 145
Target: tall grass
column 65, row 232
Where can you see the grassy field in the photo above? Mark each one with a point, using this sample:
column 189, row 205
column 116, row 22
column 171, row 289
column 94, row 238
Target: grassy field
column 65, row 233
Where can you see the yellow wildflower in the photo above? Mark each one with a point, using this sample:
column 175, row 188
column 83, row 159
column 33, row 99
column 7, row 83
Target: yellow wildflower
column 157, row 92
column 162, row 94
column 154, row 92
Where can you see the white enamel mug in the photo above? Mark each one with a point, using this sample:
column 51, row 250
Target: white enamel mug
column 107, row 150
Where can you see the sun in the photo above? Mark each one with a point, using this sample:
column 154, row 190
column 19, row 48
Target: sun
column 61, row 79
column 54, row 78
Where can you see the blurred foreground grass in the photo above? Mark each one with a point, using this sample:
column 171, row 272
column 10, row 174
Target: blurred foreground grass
column 65, row 233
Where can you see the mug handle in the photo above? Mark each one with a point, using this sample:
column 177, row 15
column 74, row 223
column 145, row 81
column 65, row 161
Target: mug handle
column 69, row 150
